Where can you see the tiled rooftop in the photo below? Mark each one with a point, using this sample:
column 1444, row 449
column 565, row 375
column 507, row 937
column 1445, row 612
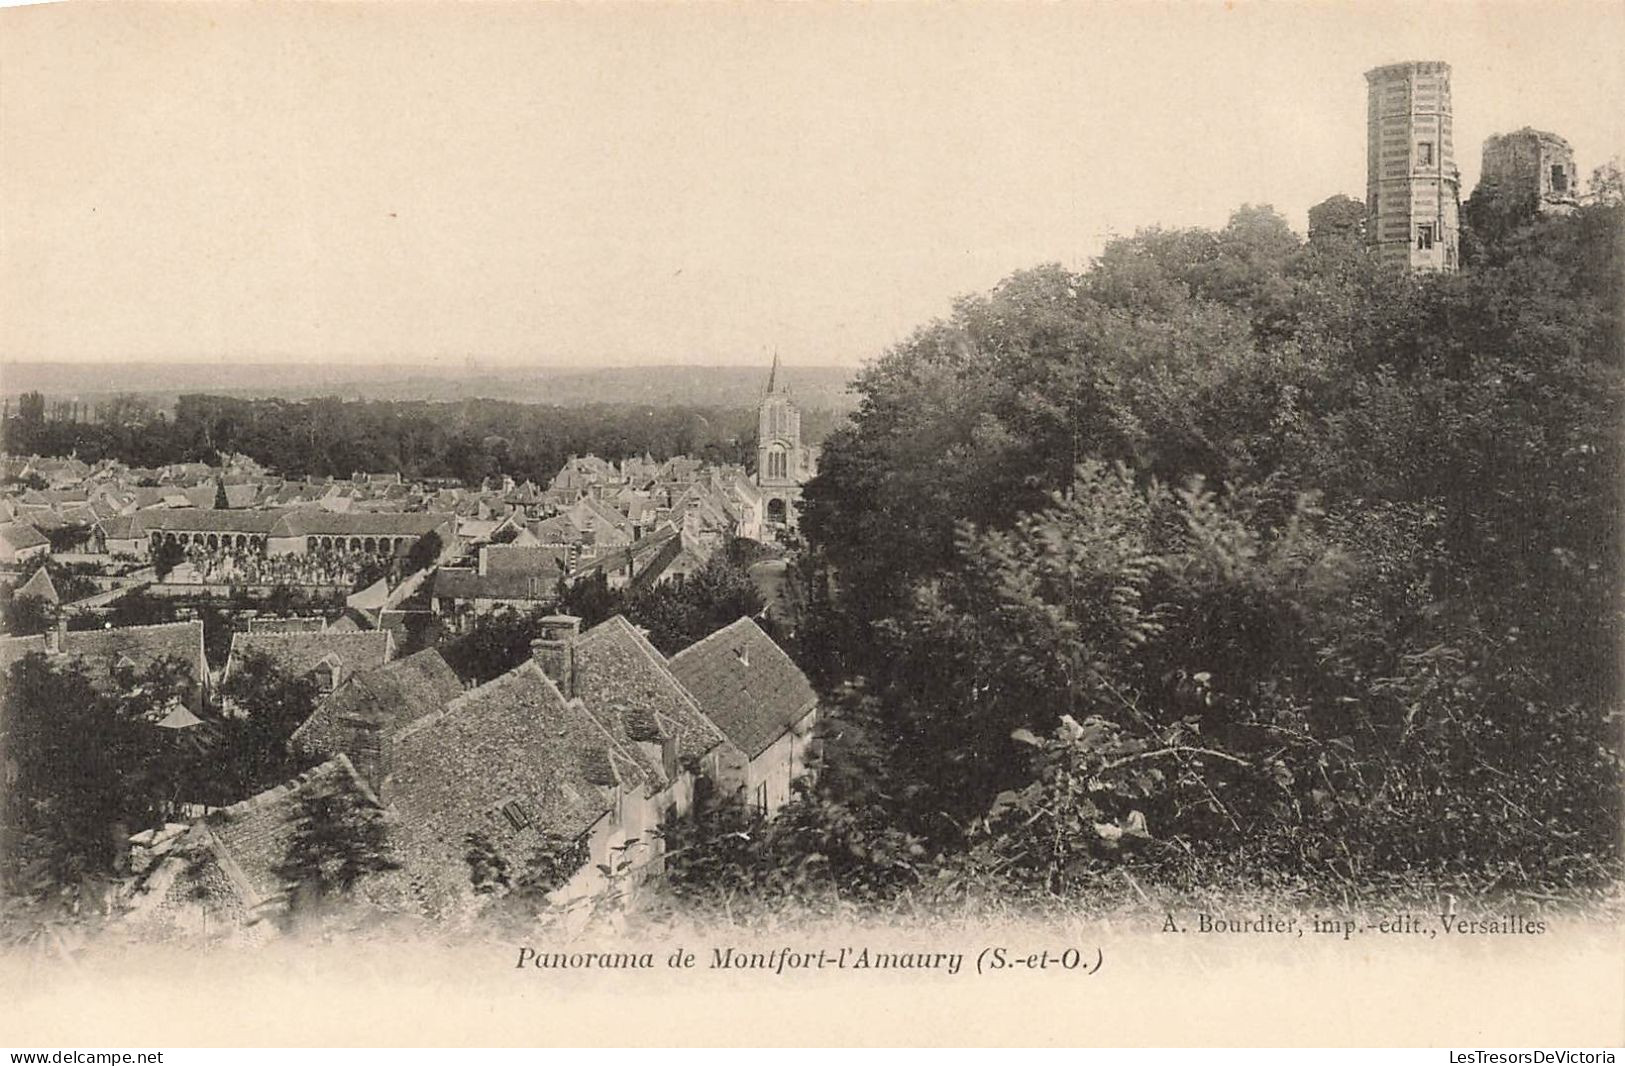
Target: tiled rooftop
column 393, row 695
column 745, row 684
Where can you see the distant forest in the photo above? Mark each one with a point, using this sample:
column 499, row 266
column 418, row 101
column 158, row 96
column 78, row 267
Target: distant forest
column 467, row 440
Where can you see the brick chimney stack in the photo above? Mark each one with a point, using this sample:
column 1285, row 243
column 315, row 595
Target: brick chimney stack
column 555, row 652
column 371, row 751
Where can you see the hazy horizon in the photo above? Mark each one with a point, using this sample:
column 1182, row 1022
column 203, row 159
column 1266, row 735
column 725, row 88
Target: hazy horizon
column 382, row 361
column 607, row 185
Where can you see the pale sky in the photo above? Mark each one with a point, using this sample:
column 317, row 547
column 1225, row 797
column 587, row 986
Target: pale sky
column 609, row 185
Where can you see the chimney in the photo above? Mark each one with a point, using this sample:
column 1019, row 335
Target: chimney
column 57, row 640
column 555, row 652
column 371, row 751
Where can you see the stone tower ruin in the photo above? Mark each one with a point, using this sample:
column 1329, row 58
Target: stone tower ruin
column 1413, row 190
column 1529, row 169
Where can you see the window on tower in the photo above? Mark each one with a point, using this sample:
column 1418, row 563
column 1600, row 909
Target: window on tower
column 1424, row 237
column 1424, row 154
column 1560, row 179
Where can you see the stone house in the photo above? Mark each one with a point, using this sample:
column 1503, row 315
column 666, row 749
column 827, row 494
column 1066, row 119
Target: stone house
column 763, row 704
column 20, row 542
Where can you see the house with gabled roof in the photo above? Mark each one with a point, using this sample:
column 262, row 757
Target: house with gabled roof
column 505, row 576
column 104, row 653
column 625, row 682
column 119, row 535
column 609, row 528
column 20, row 542
column 760, row 700
column 329, row 657
column 665, row 556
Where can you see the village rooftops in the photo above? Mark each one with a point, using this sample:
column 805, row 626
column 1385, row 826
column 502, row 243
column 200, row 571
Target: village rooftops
column 53, row 497
column 746, row 684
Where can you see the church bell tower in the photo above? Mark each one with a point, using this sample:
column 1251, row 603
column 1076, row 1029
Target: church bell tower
column 782, row 463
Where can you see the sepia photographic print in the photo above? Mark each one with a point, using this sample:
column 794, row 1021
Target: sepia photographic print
column 753, row 524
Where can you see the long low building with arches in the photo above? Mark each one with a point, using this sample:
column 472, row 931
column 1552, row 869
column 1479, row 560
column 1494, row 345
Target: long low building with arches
column 292, row 532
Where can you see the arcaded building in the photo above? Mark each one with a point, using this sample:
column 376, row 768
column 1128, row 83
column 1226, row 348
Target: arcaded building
column 1531, row 169
column 1413, row 190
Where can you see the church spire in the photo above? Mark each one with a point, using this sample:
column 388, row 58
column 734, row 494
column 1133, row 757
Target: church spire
column 773, row 375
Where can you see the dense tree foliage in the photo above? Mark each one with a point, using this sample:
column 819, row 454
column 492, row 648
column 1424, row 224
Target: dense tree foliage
column 91, row 768
column 1326, row 553
column 495, row 643
column 264, row 704
column 338, row 839
column 676, row 615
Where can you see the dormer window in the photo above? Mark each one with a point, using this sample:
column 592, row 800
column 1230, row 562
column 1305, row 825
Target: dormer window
column 515, row 814
column 327, row 673
column 668, row 754
column 742, row 653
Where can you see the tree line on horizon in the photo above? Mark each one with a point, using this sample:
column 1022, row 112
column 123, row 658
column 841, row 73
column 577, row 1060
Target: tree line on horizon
column 465, row 441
